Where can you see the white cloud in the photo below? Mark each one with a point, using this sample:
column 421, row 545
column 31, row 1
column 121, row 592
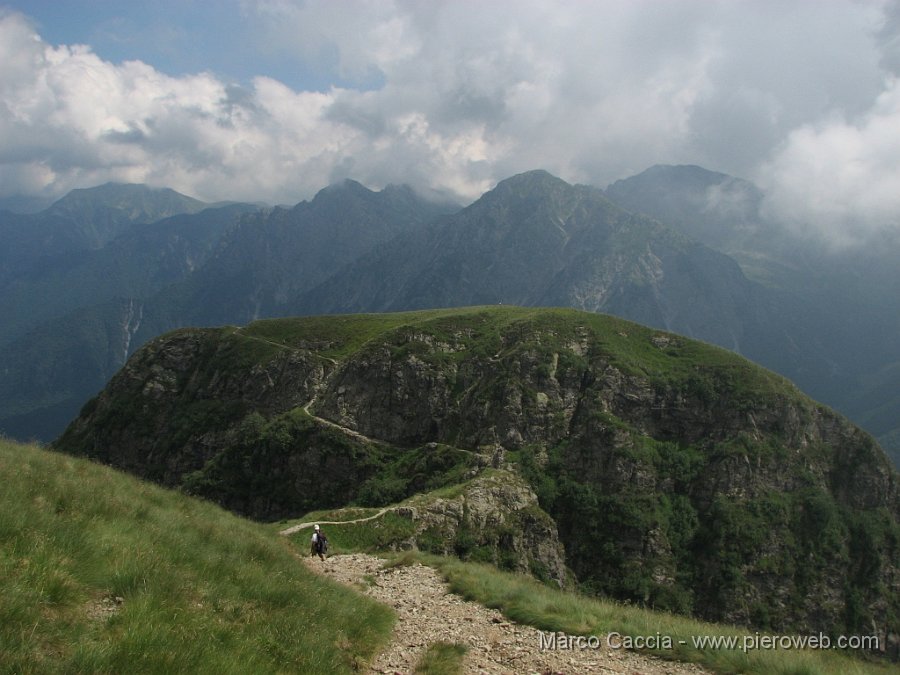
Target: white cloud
column 838, row 176
column 589, row 91
column 459, row 104
column 68, row 118
column 458, row 95
column 506, row 86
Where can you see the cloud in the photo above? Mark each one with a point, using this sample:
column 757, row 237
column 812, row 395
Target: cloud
column 469, row 93
column 836, row 175
column 68, row 119
column 458, row 95
column 841, row 177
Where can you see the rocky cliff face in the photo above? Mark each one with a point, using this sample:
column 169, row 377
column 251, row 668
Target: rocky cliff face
column 495, row 518
column 676, row 474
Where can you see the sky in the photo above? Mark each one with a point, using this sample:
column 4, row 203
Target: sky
column 271, row 100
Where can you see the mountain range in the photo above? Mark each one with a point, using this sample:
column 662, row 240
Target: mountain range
column 87, row 281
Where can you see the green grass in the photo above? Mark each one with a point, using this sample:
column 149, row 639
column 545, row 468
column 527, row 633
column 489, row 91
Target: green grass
column 525, row 600
column 341, row 335
column 100, row 572
column 628, row 345
column 370, row 536
column 442, row 658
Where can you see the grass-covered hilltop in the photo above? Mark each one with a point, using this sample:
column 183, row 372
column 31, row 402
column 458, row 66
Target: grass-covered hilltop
column 584, row 449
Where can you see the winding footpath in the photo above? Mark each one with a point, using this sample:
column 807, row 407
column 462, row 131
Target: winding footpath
column 428, row 612
column 302, row 526
column 308, row 405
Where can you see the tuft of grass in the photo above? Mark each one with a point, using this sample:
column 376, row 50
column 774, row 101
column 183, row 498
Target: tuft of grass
column 404, row 559
column 442, row 658
column 100, row 572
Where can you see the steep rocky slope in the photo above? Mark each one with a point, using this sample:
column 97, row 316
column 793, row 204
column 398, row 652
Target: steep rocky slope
column 679, row 475
column 536, row 240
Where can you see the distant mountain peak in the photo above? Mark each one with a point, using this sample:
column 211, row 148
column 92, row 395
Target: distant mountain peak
column 139, row 201
column 98, row 214
column 683, row 168
column 116, row 192
column 345, row 185
column 687, row 175
column 534, row 179
column 684, row 193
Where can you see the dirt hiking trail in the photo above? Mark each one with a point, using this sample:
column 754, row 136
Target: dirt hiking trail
column 302, row 526
column 427, row 612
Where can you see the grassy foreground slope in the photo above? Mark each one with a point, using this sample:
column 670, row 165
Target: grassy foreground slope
column 530, row 602
column 100, row 572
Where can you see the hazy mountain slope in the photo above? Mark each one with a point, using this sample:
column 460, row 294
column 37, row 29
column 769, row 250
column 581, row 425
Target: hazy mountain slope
column 679, row 474
column 83, row 220
column 69, row 327
column 500, row 249
column 136, row 264
column 720, row 211
column 277, row 254
column 860, row 292
column 843, row 302
column 50, row 372
column 23, row 204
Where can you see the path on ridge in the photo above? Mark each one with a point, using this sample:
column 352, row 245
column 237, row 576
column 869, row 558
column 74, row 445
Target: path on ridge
column 308, row 405
column 303, row 526
column 240, row 331
column 310, row 402
column 428, row 612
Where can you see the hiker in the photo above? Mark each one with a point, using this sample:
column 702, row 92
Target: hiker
column 319, row 543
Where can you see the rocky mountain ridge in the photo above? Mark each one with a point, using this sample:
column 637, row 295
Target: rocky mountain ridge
column 705, row 263
column 677, row 474
column 66, row 324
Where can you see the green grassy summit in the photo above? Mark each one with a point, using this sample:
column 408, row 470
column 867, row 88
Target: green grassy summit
column 675, row 474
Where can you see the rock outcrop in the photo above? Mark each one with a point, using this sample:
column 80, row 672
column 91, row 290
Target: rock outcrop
column 495, row 518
